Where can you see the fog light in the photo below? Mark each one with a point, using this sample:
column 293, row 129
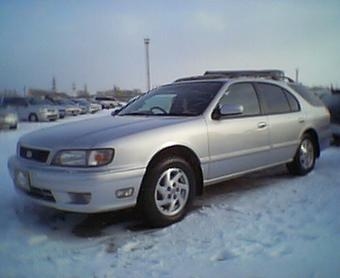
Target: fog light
column 124, row 193
column 22, row 180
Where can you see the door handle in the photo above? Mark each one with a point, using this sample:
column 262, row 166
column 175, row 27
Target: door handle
column 261, row 125
column 301, row 120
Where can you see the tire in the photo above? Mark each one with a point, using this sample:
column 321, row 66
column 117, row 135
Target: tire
column 304, row 159
column 32, row 118
column 14, row 126
column 167, row 192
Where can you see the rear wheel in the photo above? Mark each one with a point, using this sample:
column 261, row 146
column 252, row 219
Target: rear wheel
column 304, row 159
column 167, row 191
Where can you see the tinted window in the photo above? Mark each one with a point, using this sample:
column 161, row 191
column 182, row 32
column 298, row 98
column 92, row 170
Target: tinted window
column 273, row 99
column 242, row 94
column 105, row 98
column 293, row 103
column 309, row 96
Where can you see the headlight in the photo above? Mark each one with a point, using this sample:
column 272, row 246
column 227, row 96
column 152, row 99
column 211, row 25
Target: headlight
column 83, row 158
column 11, row 117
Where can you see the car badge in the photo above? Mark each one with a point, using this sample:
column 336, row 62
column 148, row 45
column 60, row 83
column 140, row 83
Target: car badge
column 29, row 154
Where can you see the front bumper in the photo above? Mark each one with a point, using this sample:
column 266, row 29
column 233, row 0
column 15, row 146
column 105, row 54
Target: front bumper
column 87, row 191
column 48, row 116
column 72, row 112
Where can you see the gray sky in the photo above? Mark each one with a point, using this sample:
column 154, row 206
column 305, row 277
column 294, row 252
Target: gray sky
column 100, row 43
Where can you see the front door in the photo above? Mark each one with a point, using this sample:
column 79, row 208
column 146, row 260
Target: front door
column 238, row 143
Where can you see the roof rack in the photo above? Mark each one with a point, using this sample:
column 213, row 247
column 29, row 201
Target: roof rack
column 270, row 74
column 200, row 77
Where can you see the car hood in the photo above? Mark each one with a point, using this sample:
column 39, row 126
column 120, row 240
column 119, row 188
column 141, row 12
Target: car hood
column 95, row 132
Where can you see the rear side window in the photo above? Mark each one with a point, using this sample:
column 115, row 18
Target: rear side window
column 309, row 96
column 242, row 94
column 273, row 99
column 293, row 103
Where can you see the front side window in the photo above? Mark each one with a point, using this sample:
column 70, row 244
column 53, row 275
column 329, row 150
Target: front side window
column 178, row 99
column 242, row 94
column 273, row 99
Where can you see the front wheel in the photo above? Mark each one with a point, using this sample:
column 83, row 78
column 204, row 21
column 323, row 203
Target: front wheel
column 33, row 118
column 304, row 159
column 167, row 191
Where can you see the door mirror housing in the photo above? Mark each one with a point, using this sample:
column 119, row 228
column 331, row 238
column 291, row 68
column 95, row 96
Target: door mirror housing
column 116, row 111
column 227, row 110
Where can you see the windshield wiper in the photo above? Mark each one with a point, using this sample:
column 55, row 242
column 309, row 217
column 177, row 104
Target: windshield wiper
column 182, row 114
column 143, row 113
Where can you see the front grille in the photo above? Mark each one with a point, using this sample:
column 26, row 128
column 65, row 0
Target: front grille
column 42, row 194
column 34, row 154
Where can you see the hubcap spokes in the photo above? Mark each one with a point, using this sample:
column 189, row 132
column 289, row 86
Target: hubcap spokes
column 306, row 154
column 172, row 191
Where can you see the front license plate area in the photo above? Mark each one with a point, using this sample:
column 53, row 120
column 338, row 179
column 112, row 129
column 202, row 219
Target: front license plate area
column 22, row 180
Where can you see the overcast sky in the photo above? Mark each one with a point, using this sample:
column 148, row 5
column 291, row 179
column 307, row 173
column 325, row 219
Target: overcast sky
column 100, row 43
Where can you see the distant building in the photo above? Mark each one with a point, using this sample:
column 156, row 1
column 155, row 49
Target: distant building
column 40, row 93
column 120, row 94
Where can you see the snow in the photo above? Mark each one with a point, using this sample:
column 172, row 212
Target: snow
column 267, row 224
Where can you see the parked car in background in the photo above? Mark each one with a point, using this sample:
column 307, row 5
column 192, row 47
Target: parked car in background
column 45, row 110
column 91, row 107
column 107, row 102
column 83, row 107
column 29, row 109
column 332, row 101
column 71, row 109
column 61, row 108
column 162, row 149
column 8, row 118
column 94, row 107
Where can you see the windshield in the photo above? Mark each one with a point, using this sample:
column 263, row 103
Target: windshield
column 38, row 101
column 184, row 99
column 65, row 102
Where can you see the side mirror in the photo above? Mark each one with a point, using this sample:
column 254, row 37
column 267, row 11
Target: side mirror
column 227, row 110
column 115, row 112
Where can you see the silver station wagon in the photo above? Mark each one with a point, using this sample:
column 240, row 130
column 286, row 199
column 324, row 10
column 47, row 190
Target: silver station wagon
column 161, row 150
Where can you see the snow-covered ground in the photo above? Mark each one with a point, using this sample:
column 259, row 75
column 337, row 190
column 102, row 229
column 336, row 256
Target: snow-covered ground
column 268, row 224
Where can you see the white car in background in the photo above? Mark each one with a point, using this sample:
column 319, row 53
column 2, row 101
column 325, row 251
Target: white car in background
column 8, row 118
column 107, row 102
column 91, row 107
column 71, row 109
column 30, row 109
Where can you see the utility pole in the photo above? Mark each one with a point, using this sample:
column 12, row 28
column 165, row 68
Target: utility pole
column 54, row 85
column 147, row 43
column 297, row 75
column 74, row 88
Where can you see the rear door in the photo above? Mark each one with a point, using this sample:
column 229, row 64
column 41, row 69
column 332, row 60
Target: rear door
column 285, row 120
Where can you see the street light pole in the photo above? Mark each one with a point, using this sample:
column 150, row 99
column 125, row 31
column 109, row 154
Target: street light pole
column 147, row 43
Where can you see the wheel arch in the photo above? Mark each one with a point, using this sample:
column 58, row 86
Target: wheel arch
column 34, row 115
column 315, row 138
column 183, row 152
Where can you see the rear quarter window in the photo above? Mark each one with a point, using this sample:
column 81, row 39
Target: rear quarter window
column 308, row 95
